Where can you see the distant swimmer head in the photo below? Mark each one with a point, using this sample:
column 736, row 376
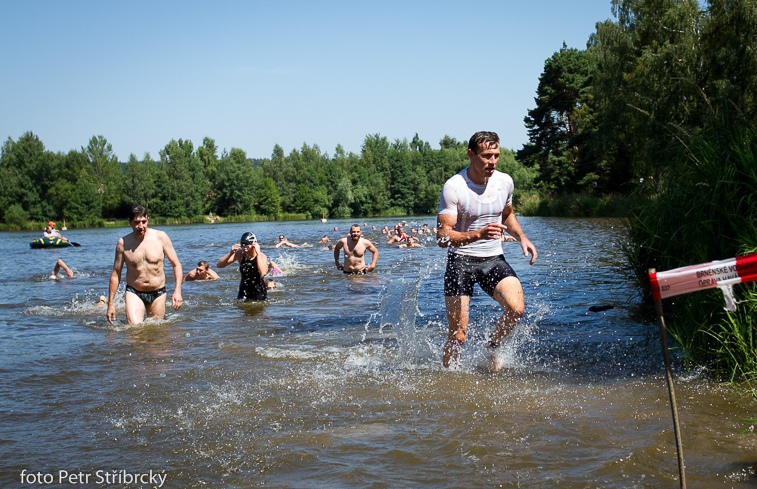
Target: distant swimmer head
column 248, row 239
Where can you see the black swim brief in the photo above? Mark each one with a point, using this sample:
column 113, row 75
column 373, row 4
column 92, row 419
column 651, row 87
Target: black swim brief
column 359, row 272
column 147, row 297
column 463, row 271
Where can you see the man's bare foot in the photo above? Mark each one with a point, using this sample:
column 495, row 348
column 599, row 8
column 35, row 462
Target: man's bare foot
column 493, row 359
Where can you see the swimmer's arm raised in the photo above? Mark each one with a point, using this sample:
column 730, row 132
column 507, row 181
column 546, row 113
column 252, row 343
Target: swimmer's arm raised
column 230, row 257
column 115, row 279
column 262, row 260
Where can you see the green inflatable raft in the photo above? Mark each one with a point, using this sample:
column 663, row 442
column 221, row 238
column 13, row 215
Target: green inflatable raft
column 51, row 243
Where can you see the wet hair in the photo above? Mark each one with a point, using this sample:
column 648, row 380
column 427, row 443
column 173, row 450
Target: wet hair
column 485, row 138
column 204, row 264
column 355, row 226
column 137, row 211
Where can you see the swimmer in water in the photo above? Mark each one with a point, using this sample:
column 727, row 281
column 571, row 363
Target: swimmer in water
column 283, row 241
column 399, row 236
column 202, row 272
column 58, row 265
column 273, row 269
column 412, row 242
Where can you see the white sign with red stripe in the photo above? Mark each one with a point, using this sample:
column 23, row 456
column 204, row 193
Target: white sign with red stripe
column 722, row 273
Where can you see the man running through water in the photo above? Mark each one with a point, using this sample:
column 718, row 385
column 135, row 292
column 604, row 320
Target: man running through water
column 144, row 252
column 475, row 208
column 354, row 246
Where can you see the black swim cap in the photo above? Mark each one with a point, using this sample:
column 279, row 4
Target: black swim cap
column 248, row 239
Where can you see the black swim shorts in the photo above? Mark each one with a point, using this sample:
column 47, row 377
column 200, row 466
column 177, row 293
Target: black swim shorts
column 147, row 297
column 464, row 271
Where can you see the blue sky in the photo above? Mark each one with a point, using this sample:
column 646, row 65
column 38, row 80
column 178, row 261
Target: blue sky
column 254, row 74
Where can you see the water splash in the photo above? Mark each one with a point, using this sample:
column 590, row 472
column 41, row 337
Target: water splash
column 287, row 262
column 399, row 310
column 79, row 306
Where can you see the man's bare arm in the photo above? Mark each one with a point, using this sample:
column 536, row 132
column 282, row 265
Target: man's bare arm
column 229, row 257
column 115, row 279
column 173, row 259
column 262, row 260
column 514, row 229
column 337, row 249
column 446, row 236
column 370, row 247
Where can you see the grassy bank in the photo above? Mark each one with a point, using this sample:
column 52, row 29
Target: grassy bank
column 170, row 221
column 703, row 209
column 154, row 221
column 575, row 205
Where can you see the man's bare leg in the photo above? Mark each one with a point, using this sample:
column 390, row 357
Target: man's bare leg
column 509, row 294
column 135, row 308
column 158, row 307
column 457, row 318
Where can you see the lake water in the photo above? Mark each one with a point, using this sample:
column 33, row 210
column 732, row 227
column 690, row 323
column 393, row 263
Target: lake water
column 336, row 381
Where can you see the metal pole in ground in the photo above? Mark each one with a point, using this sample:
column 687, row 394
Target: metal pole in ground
column 671, row 389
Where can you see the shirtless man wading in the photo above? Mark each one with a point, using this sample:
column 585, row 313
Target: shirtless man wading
column 354, row 247
column 144, row 251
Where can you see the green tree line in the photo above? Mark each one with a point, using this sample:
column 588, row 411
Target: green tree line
column 612, row 118
column 90, row 184
column 661, row 106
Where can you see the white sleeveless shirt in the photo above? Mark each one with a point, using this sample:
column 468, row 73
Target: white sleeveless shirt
column 476, row 206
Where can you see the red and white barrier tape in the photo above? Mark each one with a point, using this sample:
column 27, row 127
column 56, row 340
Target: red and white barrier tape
column 723, row 274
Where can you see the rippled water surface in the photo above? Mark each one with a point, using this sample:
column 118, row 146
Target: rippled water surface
column 337, row 381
